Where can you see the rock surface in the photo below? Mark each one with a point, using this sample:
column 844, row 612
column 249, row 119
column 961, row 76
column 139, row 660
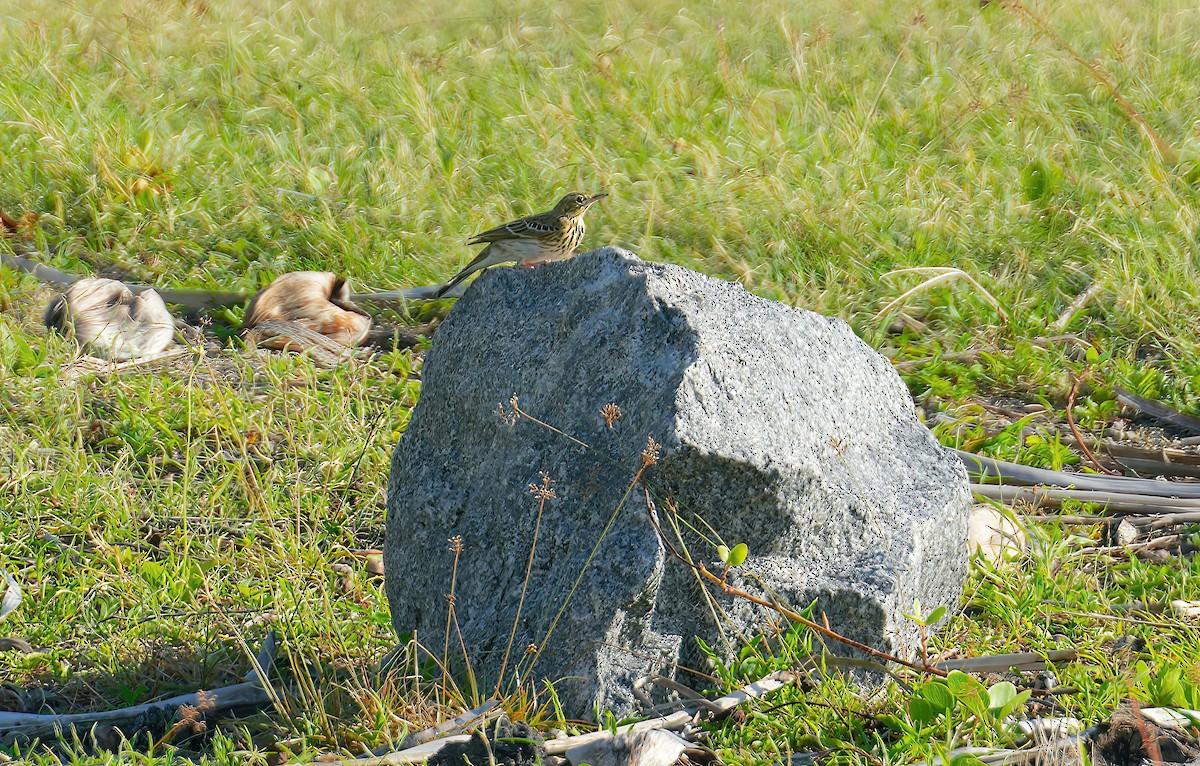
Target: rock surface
column 779, row 428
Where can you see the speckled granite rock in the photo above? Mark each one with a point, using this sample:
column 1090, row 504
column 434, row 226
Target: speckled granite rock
column 779, row 427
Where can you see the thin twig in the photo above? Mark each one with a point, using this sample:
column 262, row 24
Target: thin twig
column 1077, row 305
column 794, row 616
column 1075, row 430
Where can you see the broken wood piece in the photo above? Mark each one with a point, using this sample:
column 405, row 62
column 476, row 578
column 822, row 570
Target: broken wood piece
column 453, row 725
column 756, row 690
column 673, row 722
column 1155, row 521
column 1185, row 609
column 110, row 321
column 14, row 644
column 1159, row 411
column 1002, row 663
column 397, row 298
column 1158, row 543
column 1045, row 729
column 40, row 271
column 1075, row 306
column 1172, row 718
column 1054, row 497
column 676, row 721
column 194, row 300
column 43, row 726
column 1013, row 474
column 649, row 748
column 418, row 754
column 202, row 300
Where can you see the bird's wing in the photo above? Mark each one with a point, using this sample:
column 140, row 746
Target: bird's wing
column 522, row 228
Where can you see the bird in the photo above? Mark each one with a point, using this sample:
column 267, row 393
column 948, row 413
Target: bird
column 534, row 239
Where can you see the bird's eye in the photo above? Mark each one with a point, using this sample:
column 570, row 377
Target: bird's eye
column 579, row 200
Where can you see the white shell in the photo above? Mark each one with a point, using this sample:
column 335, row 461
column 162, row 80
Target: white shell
column 109, row 320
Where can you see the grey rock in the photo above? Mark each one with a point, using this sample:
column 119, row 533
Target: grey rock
column 779, row 428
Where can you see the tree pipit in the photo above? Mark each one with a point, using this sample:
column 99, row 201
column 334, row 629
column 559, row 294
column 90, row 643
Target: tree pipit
column 531, row 240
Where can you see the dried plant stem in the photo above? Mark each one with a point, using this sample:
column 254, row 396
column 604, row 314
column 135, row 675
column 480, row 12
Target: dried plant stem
column 544, row 493
column 1165, row 150
column 583, row 570
column 1149, row 738
column 456, row 547
column 817, row 627
column 1075, row 430
column 522, row 413
column 940, row 274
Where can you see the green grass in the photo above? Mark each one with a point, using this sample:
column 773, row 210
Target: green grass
column 805, row 149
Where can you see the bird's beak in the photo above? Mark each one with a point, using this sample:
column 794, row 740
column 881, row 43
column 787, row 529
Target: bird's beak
column 592, row 200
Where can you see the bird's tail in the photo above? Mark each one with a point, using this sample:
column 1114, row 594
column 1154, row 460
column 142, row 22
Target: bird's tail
column 480, row 263
column 450, row 285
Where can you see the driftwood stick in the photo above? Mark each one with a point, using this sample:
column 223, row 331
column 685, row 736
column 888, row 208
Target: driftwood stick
column 34, row 725
column 418, row 754
column 199, row 300
column 760, row 688
column 190, row 299
column 249, row 692
column 1156, row 521
column 674, row 722
column 1114, row 503
column 422, row 753
column 1002, row 663
column 449, row 727
column 1161, row 412
column 1157, row 543
column 399, row 297
column 1023, row 475
column 1077, row 305
column 40, row 271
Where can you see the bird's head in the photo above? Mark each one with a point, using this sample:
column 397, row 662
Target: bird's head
column 574, row 204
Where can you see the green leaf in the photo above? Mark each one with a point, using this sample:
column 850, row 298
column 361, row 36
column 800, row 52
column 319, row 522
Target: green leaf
column 1001, row 695
column 1091, row 356
column 935, row 616
column 895, row 723
column 737, row 555
column 723, row 554
column 963, row 685
column 937, row 694
column 922, row 711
